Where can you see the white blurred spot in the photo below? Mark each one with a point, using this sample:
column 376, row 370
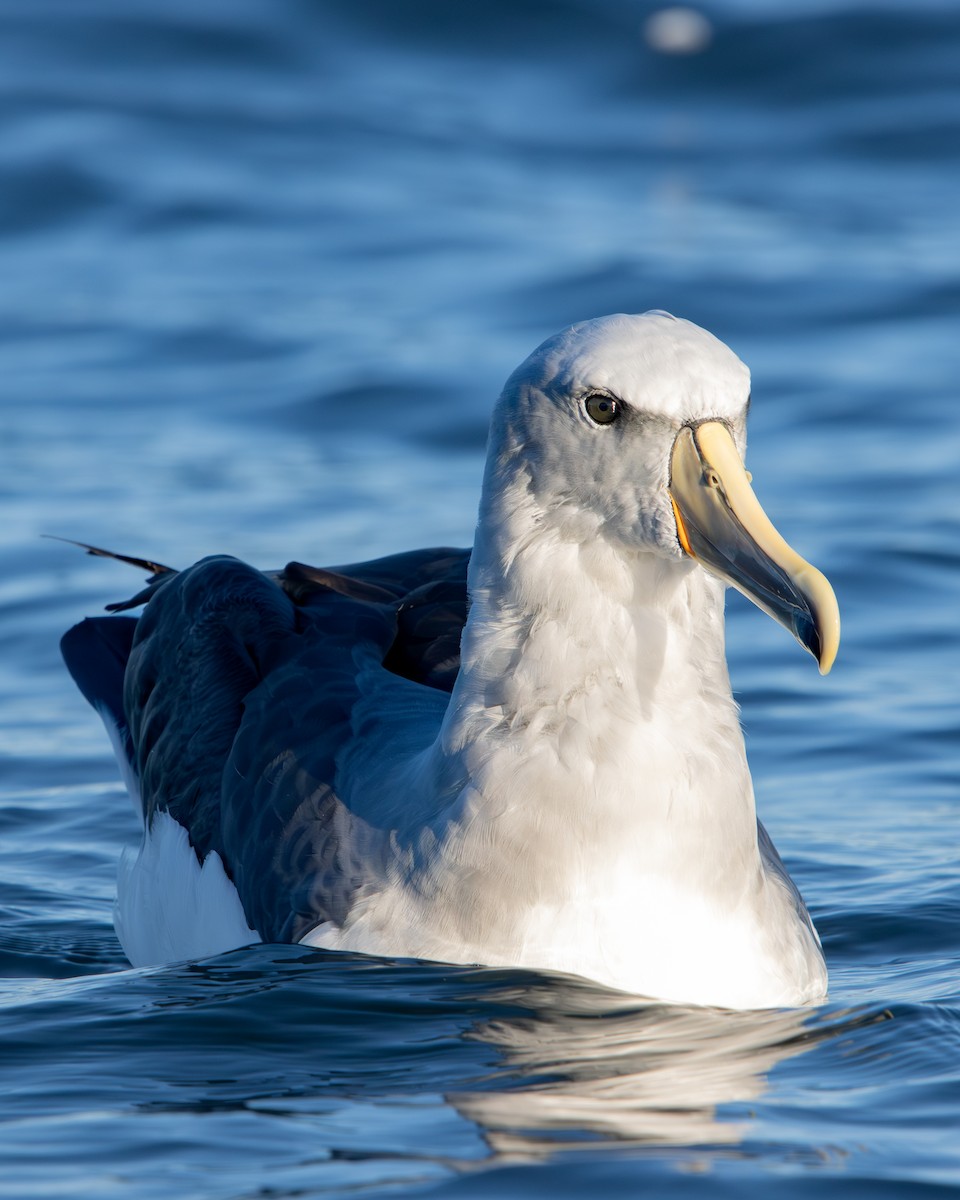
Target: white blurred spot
column 677, row 30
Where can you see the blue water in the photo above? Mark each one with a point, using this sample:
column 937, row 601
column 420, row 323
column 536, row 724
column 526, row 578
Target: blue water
column 265, row 265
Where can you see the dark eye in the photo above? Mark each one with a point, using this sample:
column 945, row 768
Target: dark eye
column 601, row 408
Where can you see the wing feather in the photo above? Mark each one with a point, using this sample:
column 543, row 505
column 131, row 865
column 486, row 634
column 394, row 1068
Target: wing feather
column 262, row 710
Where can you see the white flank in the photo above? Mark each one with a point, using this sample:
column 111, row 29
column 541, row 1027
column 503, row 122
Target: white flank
column 169, row 908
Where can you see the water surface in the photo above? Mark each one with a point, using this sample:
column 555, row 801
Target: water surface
column 265, row 268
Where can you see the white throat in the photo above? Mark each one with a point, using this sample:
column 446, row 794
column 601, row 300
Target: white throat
column 611, row 659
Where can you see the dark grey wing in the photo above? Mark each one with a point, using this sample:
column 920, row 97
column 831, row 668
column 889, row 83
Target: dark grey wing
column 429, row 591
column 96, row 652
column 239, row 689
column 298, row 854
column 206, row 639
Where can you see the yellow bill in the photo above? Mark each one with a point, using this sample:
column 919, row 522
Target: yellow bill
column 720, row 523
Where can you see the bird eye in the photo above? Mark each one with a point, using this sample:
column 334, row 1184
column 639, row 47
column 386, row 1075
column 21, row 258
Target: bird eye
column 601, row 408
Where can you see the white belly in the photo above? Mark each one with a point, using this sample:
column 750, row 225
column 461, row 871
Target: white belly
column 654, row 942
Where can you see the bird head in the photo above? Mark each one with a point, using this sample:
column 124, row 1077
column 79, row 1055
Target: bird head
column 633, row 429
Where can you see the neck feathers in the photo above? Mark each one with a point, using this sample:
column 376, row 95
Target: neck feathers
column 558, row 612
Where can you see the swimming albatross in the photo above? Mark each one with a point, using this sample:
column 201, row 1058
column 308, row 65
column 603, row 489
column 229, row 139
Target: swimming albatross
column 320, row 757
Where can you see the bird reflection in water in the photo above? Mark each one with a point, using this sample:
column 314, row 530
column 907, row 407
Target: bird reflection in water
column 592, row 1064
column 537, row 1063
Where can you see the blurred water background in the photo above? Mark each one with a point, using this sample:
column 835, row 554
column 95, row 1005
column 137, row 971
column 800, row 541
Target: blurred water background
column 264, row 266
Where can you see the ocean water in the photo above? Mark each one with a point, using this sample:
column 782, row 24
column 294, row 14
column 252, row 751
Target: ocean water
column 265, row 266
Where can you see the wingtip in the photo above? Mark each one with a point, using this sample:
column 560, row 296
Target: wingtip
column 144, row 564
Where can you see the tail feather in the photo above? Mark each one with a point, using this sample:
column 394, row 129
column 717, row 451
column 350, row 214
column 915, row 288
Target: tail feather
column 145, row 564
column 159, row 572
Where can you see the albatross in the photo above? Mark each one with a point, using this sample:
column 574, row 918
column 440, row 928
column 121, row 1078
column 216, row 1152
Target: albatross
column 526, row 754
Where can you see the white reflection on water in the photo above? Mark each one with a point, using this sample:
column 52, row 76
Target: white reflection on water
column 652, row 1075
